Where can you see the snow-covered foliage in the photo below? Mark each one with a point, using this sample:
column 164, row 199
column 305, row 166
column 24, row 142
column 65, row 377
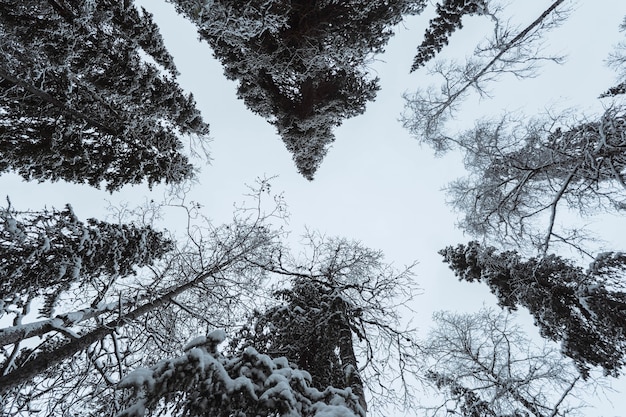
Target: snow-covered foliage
column 584, row 310
column 508, row 49
column 522, row 174
column 202, row 381
column 210, row 281
column 300, row 64
column 44, row 253
column 449, row 16
column 79, row 103
column 337, row 318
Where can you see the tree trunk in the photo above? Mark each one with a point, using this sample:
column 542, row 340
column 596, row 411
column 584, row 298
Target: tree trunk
column 15, row 334
column 47, row 360
column 350, row 366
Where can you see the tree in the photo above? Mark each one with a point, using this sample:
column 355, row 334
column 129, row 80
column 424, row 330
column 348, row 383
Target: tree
column 83, row 354
column 510, row 50
column 483, row 365
column 46, row 252
column 523, row 174
column 617, row 60
column 300, row 64
column 449, row 15
column 339, row 321
column 79, row 103
column 205, row 382
column 337, row 284
column 583, row 310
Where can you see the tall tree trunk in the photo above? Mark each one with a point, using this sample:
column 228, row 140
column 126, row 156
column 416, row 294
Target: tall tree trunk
column 350, row 366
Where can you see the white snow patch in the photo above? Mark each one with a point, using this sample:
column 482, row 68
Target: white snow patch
column 195, row 342
column 217, row 336
column 138, row 378
column 325, row 410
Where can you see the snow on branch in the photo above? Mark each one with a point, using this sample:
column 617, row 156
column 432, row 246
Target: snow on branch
column 202, row 381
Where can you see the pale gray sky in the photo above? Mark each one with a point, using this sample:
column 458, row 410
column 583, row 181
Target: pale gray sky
column 376, row 184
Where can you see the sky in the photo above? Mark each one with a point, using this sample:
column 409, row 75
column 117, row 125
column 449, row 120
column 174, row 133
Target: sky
column 377, row 184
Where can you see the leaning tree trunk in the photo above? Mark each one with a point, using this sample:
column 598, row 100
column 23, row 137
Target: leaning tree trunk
column 16, row 334
column 47, row 360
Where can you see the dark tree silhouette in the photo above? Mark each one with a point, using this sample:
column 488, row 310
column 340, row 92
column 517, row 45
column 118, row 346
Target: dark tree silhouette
column 79, row 103
column 300, row 64
column 584, row 310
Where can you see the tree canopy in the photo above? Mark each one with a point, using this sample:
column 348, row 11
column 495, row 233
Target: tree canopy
column 239, row 319
column 45, row 253
column 79, row 101
column 483, row 364
column 300, row 64
column 247, row 384
column 584, row 310
column 342, row 306
column 523, row 174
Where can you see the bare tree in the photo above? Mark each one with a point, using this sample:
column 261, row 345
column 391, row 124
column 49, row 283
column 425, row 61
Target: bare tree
column 483, row 365
column 521, row 175
column 617, row 61
column 509, row 50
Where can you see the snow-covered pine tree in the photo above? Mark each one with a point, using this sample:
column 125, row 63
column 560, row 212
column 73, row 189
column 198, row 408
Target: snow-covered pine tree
column 312, row 327
column 449, row 18
column 300, row 64
column 583, row 310
column 46, row 252
column 332, row 320
column 205, row 282
column 78, row 102
column 203, row 381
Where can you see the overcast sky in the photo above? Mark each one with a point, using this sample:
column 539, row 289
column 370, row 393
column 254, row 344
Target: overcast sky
column 377, row 184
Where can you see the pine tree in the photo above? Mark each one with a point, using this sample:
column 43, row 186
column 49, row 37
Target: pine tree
column 308, row 328
column 334, row 316
column 584, row 310
column 78, row 101
column 83, row 353
column 46, row 252
column 449, row 16
column 203, row 381
column 300, row 64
